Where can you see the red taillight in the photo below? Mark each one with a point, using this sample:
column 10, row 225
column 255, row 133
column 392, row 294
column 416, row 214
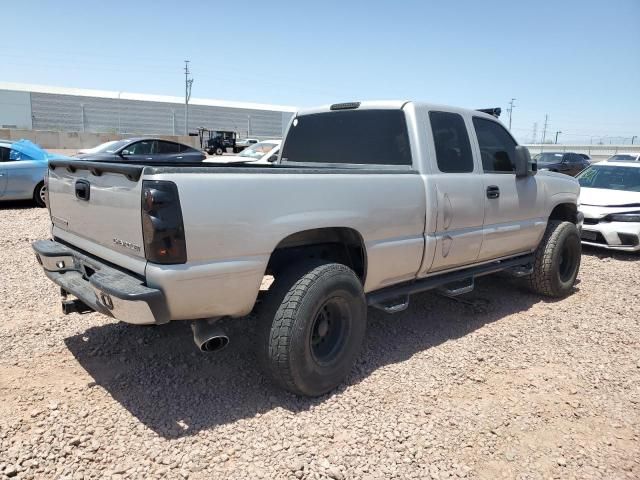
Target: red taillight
column 162, row 227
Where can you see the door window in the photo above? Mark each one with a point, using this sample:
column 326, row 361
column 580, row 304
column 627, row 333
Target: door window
column 144, row 147
column 15, row 155
column 168, row 147
column 453, row 150
column 497, row 147
column 4, row 154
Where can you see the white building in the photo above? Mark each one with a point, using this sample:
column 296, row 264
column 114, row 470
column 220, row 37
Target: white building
column 37, row 107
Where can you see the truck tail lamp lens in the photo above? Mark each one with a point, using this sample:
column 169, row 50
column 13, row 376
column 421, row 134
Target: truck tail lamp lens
column 162, row 226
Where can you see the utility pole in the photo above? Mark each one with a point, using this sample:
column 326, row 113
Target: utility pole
column 534, row 135
column 558, row 132
column 544, row 131
column 188, row 82
column 510, row 110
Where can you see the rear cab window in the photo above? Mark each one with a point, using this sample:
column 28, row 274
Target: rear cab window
column 349, row 137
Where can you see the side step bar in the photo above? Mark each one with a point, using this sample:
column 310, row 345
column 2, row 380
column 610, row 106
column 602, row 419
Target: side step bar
column 392, row 299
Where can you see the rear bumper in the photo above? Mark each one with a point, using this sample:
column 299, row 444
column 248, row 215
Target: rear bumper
column 113, row 292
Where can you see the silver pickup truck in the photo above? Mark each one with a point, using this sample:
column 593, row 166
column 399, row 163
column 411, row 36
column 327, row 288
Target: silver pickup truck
column 368, row 203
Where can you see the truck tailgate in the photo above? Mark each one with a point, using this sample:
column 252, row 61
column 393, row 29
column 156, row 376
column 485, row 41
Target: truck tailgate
column 97, row 208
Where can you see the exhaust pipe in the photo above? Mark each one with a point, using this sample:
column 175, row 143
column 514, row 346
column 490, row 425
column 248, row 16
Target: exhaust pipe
column 208, row 336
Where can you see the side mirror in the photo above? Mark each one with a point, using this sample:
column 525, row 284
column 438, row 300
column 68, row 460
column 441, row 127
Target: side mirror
column 272, row 158
column 525, row 165
column 124, row 153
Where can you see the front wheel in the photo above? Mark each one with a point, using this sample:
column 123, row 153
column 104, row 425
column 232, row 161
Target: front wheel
column 557, row 260
column 219, row 151
column 40, row 195
column 314, row 322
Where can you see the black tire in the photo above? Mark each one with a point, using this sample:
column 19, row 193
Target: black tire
column 557, row 260
column 38, row 195
column 219, row 151
column 211, row 151
column 313, row 322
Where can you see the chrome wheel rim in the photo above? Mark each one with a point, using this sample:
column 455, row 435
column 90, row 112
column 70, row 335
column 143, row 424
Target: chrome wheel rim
column 43, row 194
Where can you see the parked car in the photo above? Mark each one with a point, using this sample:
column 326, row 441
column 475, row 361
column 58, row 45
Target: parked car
column 367, row 204
column 568, row 163
column 23, row 166
column 98, row 148
column 624, row 157
column 265, row 152
column 610, row 202
column 145, row 150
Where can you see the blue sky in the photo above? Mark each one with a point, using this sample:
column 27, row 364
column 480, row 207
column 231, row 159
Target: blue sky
column 578, row 61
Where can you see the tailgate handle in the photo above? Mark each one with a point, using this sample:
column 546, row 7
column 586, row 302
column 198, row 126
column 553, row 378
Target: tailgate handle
column 83, row 189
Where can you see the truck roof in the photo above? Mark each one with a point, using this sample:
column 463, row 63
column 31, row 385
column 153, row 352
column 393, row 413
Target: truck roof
column 389, row 105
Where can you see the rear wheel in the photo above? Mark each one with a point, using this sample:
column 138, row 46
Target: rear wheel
column 557, row 260
column 219, row 151
column 314, row 322
column 40, row 195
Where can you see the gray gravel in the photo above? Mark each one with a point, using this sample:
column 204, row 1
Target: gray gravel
column 505, row 386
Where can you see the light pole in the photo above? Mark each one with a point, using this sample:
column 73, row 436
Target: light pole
column 188, row 82
column 557, row 133
column 511, row 106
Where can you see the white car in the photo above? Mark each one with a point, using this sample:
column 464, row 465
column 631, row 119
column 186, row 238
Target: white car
column 610, row 202
column 96, row 149
column 265, row 152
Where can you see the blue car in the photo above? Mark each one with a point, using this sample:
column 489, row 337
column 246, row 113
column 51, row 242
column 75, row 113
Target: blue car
column 23, row 166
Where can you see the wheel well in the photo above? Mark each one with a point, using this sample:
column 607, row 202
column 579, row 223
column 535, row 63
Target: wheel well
column 565, row 211
column 338, row 244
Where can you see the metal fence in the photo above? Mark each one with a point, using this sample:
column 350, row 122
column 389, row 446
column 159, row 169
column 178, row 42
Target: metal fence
column 72, row 113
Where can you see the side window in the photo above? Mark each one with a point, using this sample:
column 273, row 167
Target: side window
column 15, row 155
column 4, row 154
column 453, row 150
column 497, row 147
column 168, row 147
column 144, row 147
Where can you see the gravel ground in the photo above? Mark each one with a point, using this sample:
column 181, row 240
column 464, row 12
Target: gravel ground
column 506, row 385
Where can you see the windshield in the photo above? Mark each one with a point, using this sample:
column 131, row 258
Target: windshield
column 257, row 150
column 611, row 177
column 111, row 147
column 549, row 157
column 623, row 157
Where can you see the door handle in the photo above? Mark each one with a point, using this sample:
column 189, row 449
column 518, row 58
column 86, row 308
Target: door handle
column 493, row 191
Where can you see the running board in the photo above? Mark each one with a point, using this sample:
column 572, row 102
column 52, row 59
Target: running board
column 389, row 295
column 396, row 305
column 458, row 288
